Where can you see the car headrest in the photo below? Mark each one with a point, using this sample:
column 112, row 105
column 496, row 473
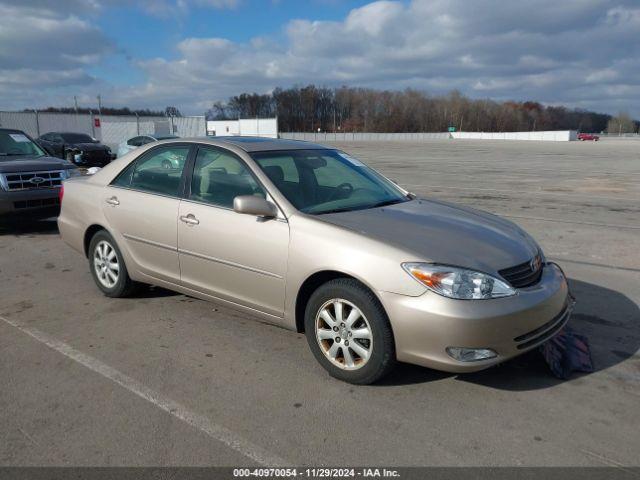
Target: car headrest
column 275, row 173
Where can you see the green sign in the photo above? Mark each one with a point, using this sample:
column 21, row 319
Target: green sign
column 452, row 129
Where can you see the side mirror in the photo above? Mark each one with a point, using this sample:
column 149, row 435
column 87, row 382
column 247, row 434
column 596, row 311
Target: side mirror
column 252, row 205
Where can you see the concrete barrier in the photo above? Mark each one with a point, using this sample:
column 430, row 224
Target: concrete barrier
column 362, row 136
column 549, row 136
column 546, row 136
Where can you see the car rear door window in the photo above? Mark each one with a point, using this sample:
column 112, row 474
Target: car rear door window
column 219, row 177
column 160, row 170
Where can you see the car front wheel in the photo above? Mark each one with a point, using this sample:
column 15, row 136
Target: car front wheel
column 349, row 333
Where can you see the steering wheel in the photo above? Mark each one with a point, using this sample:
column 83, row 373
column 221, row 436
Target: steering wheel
column 345, row 187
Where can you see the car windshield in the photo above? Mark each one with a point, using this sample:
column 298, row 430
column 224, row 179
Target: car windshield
column 76, row 138
column 327, row 181
column 18, row 144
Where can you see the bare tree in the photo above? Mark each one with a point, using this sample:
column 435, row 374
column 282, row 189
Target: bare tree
column 622, row 123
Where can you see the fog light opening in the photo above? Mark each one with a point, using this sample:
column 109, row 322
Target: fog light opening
column 470, row 354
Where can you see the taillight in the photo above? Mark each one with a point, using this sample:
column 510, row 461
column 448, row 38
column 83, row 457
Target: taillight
column 61, row 192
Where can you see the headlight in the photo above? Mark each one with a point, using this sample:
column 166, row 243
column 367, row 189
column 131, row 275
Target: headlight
column 460, row 283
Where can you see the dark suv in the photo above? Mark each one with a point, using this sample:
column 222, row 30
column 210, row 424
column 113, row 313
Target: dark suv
column 78, row 148
column 30, row 180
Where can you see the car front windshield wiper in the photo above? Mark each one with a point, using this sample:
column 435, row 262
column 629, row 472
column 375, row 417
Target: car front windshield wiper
column 338, row 210
column 362, row 207
column 385, row 203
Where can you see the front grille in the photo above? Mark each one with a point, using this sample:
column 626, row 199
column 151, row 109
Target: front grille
column 524, row 275
column 33, row 180
column 546, row 331
column 44, row 202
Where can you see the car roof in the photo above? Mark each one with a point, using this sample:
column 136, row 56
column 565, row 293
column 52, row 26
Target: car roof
column 69, row 133
column 12, row 130
column 259, row 144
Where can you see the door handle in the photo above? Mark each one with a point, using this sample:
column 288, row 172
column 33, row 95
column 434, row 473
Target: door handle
column 189, row 219
column 113, row 201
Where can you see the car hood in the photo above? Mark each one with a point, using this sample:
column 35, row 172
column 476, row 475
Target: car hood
column 444, row 233
column 31, row 164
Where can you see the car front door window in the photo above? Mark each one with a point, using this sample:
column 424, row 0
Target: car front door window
column 219, row 177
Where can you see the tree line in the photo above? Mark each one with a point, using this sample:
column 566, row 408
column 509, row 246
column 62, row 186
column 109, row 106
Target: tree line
column 351, row 109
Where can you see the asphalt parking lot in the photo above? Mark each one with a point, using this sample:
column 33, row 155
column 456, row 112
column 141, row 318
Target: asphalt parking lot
column 164, row 379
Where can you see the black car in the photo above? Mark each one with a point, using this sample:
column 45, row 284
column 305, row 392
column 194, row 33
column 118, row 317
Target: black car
column 30, row 180
column 78, row 148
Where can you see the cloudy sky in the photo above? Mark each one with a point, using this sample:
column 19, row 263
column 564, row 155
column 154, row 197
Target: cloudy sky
column 190, row 53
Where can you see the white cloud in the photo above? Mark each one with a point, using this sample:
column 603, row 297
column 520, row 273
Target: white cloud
column 582, row 53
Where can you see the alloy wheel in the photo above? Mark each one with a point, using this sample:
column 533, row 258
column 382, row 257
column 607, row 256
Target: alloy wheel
column 105, row 264
column 344, row 334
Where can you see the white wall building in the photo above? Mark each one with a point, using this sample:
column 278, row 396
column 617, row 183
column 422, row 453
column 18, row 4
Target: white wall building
column 246, row 127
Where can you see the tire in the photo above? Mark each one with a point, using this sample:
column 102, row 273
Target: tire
column 353, row 367
column 101, row 246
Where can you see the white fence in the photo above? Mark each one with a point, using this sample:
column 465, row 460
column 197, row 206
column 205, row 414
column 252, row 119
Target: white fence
column 361, row 136
column 549, row 136
column 555, row 136
column 37, row 123
column 109, row 129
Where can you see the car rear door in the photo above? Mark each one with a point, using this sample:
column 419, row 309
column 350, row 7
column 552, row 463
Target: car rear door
column 142, row 206
column 236, row 257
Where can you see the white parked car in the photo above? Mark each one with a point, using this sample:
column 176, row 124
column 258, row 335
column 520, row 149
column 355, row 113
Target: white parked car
column 138, row 141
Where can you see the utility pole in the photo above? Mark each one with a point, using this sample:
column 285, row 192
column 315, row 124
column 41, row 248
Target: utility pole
column 75, row 102
column 99, row 105
column 335, row 135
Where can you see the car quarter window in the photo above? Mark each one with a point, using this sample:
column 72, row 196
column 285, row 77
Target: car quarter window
column 157, row 171
column 219, row 176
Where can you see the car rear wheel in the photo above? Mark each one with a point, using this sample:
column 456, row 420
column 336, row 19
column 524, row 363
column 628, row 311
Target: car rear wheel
column 349, row 333
column 108, row 268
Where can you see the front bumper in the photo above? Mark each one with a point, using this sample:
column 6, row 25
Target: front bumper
column 425, row 326
column 44, row 202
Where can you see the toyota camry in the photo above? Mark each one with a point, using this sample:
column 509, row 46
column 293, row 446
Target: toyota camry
column 310, row 238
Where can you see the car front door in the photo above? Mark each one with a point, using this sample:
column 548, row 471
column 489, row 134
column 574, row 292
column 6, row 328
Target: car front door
column 142, row 205
column 232, row 256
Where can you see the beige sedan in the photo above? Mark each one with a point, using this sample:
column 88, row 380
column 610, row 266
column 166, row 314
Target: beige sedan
column 311, row 239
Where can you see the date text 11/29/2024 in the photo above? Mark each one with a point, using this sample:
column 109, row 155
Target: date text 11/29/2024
column 316, row 472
